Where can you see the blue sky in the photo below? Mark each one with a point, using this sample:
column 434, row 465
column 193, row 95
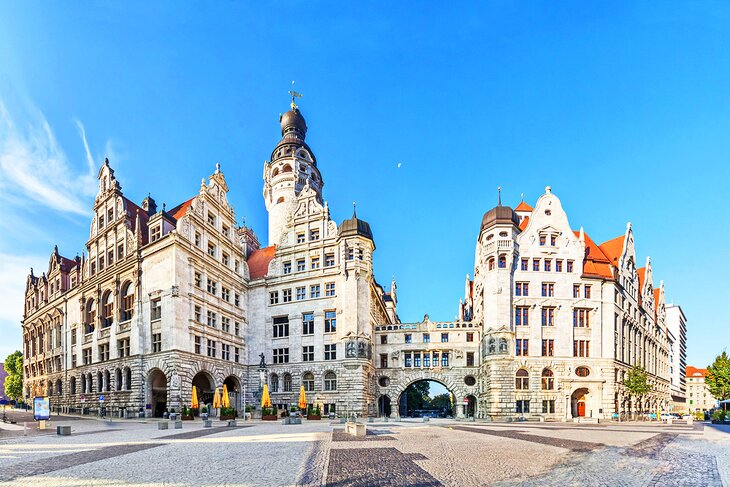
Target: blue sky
column 622, row 108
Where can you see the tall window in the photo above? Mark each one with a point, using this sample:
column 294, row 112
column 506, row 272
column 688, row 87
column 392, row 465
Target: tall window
column 212, row 348
column 522, row 315
column 314, row 291
column 156, row 233
column 469, row 359
column 90, row 316
column 212, row 319
column 444, row 338
column 444, row 359
column 581, row 348
column 198, row 280
column 301, row 265
column 548, row 347
column 522, row 346
column 330, row 321
column 330, row 381
column 535, row 264
column 576, row 290
column 286, row 295
column 548, row 316
column 558, row 266
column 287, row 267
column 383, row 360
column 281, row 326
column 547, row 265
column 408, row 338
column 123, row 347
column 314, row 263
column 274, row 382
column 287, row 383
column 581, row 318
column 307, row 323
column 522, row 380
column 301, row 293
column 212, row 287
column 108, row 310
column 548, row 289
column 329, row 289
column 548, row 406
column 281, row 355
column 469, row 336
column 156, row 342
column 587, row 291
column 548, row 380
column 308, row 353
column 197, row 344
column 524, row 264
column 502, row 262
column 522, row 289
column 308, row 381
column 570, row 266
column 329, row 260
column 104, row 352
column 522, row 406
column 330, row 351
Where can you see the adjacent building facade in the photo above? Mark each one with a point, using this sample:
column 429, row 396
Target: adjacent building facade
column 677, row 330
column 699, row 398
column 166, row 300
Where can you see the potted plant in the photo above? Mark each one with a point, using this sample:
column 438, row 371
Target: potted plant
column 268, row 414
column 227, row 413
column 204, row 413
column 187, row 414
column 314, row 413
column 718, row 417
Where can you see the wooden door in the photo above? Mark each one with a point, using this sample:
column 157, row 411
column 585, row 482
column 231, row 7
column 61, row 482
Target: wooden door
column 581, row 409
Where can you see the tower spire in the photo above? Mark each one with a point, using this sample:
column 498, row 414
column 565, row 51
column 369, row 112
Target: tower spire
column 294, row 95
column 499, row 195
column 354, row 209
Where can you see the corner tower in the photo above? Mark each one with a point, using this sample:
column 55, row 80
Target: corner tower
column 292, row 168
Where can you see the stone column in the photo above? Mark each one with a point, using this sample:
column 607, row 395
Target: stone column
column 460, row 410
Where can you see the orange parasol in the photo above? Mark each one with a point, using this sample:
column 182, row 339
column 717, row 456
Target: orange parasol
column 265, row 398
column 302, row 398
column 194, row 403
column 217, row 399
column 225, row 400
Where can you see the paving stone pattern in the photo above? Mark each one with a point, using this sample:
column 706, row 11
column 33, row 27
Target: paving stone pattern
column 576, row 446
column 371, row 435
column 375, row 467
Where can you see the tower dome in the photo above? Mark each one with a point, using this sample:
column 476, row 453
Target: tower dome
column 293, row 124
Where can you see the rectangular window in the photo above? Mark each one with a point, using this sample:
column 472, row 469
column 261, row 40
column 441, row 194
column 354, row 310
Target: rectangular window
column 416, row 359
column 444, row 337
column 470, row 336
column 383, row 360
column 211, row 219
column 211, row 249
column 212, row 287
column 226, row 294
column 120, row 251
column 301, row 293
column 329, row 289
column 197, row 345
column 314, row 291
column 308, row 324
column 581, row 318
column 225, row 230
column 535, row 264
column 330, row 351
column 522, row 315
column 349, row 253
column 86, row 355
column 110, row 257
column 522, row 289
column 300, row 238
column 225, row 259
column 522, row 347
column 212, row 348
column 470, row 359
column 225, row 351
column 281, row 356
column 329, row 260
column 522, row 406
column 524, row 264
column 104, row 352
column 581, row 348
column 286, row 295
column 281, row 326
column 408, row 338
column 445, row 359
column 570, row 266
column 101, row 264
column 198, row 239
column 287, row 267
column 156, row 342
column 226, row 324
column 237, row 328
column 547, row 265
column 274, row 297
column 548, row 289
column 330, row 321
column 427, row 359
column 197, row 313
column 542, row 240
column 301, row 265
column 576, row 290
column 155, row 310
column 237, row 356
column 237, row 299
column 383, row 339
column 548, row 347
column 408, row 362
column 212, row 319
column 548, row 406
column 123, row 347
column 548, row 316
column 198, row 280
column 558, row 266
column 314, row 263
column 314, row 235
column 587, row 291
column 426, row 338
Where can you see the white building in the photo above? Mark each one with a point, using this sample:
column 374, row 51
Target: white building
column 676, row 323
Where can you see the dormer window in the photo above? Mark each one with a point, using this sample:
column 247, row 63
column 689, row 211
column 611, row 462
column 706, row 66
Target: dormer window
column 542, row 240
column 156, row 233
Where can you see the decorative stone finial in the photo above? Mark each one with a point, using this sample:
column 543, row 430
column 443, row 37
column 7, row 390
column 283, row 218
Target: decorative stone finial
column 217, row 167
column 548, row 190
column 499, row 195
column 354, row 209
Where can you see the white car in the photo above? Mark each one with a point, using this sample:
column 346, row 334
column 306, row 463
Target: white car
column 666, row 416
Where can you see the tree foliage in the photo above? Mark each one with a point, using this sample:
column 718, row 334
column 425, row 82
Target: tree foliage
column 718, row 377
column 636, row 381
column 14, row 380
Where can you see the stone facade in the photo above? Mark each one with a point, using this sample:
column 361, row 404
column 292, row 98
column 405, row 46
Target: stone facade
column 162, row 301
column 698, row 395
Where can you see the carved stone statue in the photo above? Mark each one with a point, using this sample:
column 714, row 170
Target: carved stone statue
column 262, row 364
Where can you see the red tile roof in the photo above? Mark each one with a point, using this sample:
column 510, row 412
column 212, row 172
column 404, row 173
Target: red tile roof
column 695, row 372
column 180, row 210
column 523, row 207
column 656, row 296
column 596, row 263
column 524, row 222
column 613, row 248
column 258, row 261
column 642, row 273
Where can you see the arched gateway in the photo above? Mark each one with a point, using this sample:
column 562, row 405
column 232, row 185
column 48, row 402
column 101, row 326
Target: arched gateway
column 393, row 389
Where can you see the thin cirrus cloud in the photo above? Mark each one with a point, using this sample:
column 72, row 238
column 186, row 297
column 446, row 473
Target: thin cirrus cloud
column 34, row 167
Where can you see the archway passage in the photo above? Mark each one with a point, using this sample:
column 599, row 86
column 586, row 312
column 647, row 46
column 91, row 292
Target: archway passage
column 384, row 407
column 157, row 392
column 205, row 385
column 234, row 391
column 470, row 406
column 578, row 401
column 426, row 398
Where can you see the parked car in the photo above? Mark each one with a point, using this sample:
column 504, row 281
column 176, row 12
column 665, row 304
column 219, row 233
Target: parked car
column 665, row 416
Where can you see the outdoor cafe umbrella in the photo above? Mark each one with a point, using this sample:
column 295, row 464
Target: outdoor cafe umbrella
column 302, row 398
column 217, row 399
column 194, row 403
column 225, row 400
column 265, row 398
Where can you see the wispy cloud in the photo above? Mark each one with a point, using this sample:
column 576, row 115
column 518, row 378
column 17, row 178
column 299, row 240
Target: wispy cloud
column 34, row 167
column 13, row 274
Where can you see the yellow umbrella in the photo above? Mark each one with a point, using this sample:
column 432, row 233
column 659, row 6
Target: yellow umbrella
column 265, row 398
column 194, row 403
column 225, row 400
column 302, row 398
column 217, row 398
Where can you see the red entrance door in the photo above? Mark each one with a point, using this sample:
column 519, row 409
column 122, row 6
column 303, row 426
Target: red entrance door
column 581, row 409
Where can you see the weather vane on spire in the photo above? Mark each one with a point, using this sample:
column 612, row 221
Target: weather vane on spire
column 294, row 95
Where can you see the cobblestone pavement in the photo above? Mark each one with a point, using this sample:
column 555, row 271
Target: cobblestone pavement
column 317, row 453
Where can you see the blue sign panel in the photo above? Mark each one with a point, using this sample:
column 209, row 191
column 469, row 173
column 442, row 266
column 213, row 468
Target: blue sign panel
column 41, row 408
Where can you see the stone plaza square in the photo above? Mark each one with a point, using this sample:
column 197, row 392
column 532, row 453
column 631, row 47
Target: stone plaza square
column 409, row 452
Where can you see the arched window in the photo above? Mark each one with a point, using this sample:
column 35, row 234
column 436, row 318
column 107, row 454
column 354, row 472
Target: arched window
column 99, row 382
column 275, row 172
column 107, row 310
column 330, row 381
column 502, row 262
column 274, row 383
column 522, row 380
column 128, row 379
column 118, row 379
column 287, row 382
column 89, row 383
column 280, row 200
column 83, row 383
column 59, row 387
column 548, row 380
column 90, row 316
column 72, row 385
column 582, row 372
column 107, row 381
column 127, row 302
column 286, row 168
column 308, row 382
column 490, row 264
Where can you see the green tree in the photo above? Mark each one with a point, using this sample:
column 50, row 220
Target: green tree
column 14, row 380
column 636, row 382
column 718, row 377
